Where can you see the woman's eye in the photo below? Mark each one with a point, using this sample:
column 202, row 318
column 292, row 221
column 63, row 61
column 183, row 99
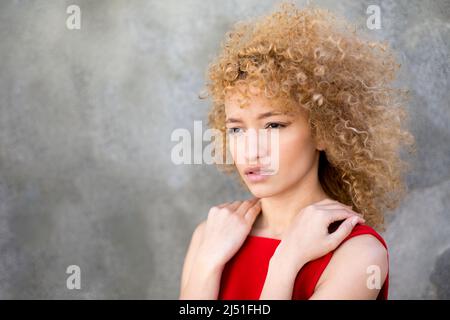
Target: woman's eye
column 274, row 125
column 271, row 125
column 233, row 130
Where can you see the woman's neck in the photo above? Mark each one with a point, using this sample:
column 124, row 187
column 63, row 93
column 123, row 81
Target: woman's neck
column 279, row 210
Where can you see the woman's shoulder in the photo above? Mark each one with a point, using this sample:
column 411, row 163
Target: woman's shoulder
column 362, row 248
column 365, row 234
column 364, row 245
column 358, row 255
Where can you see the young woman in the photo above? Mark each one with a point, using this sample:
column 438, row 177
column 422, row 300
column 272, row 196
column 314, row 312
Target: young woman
column 303, row 77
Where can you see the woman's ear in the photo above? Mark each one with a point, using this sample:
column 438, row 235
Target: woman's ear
column 320, row 146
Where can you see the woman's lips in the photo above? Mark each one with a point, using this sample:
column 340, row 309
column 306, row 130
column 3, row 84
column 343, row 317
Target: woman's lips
column 258, row 176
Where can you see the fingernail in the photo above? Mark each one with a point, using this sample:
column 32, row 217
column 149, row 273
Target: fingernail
column 354, row 221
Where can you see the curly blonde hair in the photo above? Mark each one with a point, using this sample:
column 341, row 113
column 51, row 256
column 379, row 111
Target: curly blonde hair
column 310, row 59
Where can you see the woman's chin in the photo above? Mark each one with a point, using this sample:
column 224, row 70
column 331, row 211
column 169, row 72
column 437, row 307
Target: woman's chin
column 262, row 191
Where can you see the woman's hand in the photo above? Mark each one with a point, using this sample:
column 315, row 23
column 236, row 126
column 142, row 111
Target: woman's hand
column 213, row 243
column 308, row 239
column 227, row 227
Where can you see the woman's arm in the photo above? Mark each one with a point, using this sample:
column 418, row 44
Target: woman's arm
column 348, row 275
column 280, row 279
column 356, row 271
column 203, row 282
column 200, row 280
column 214, row 242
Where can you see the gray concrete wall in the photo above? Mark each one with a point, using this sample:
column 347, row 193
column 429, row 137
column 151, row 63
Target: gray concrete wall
column 85, row 123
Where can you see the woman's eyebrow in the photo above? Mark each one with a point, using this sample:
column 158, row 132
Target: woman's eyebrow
column 261, row 116
column 269, row 114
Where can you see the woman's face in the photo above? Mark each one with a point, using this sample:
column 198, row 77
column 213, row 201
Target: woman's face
column 273, row 151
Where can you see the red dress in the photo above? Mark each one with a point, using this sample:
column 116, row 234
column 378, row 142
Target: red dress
column 244, row 275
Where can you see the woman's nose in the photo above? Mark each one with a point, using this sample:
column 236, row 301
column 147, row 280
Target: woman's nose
column 255, row 145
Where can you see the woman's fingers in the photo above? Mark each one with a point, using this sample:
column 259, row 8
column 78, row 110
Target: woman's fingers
column 333, row 205
column 253, row 212
column 333, row 215
column 343, row 231
column 222, row 205
column 330, row 203
column 325, row 201
column 245, row 205
column 238, row 206
column 234, row 205
column 341, row 207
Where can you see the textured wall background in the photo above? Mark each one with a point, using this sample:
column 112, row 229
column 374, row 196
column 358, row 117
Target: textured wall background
column 85, row 123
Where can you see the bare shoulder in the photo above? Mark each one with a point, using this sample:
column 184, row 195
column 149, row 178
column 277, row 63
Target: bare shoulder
column 361, row 250
column 354, row 260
